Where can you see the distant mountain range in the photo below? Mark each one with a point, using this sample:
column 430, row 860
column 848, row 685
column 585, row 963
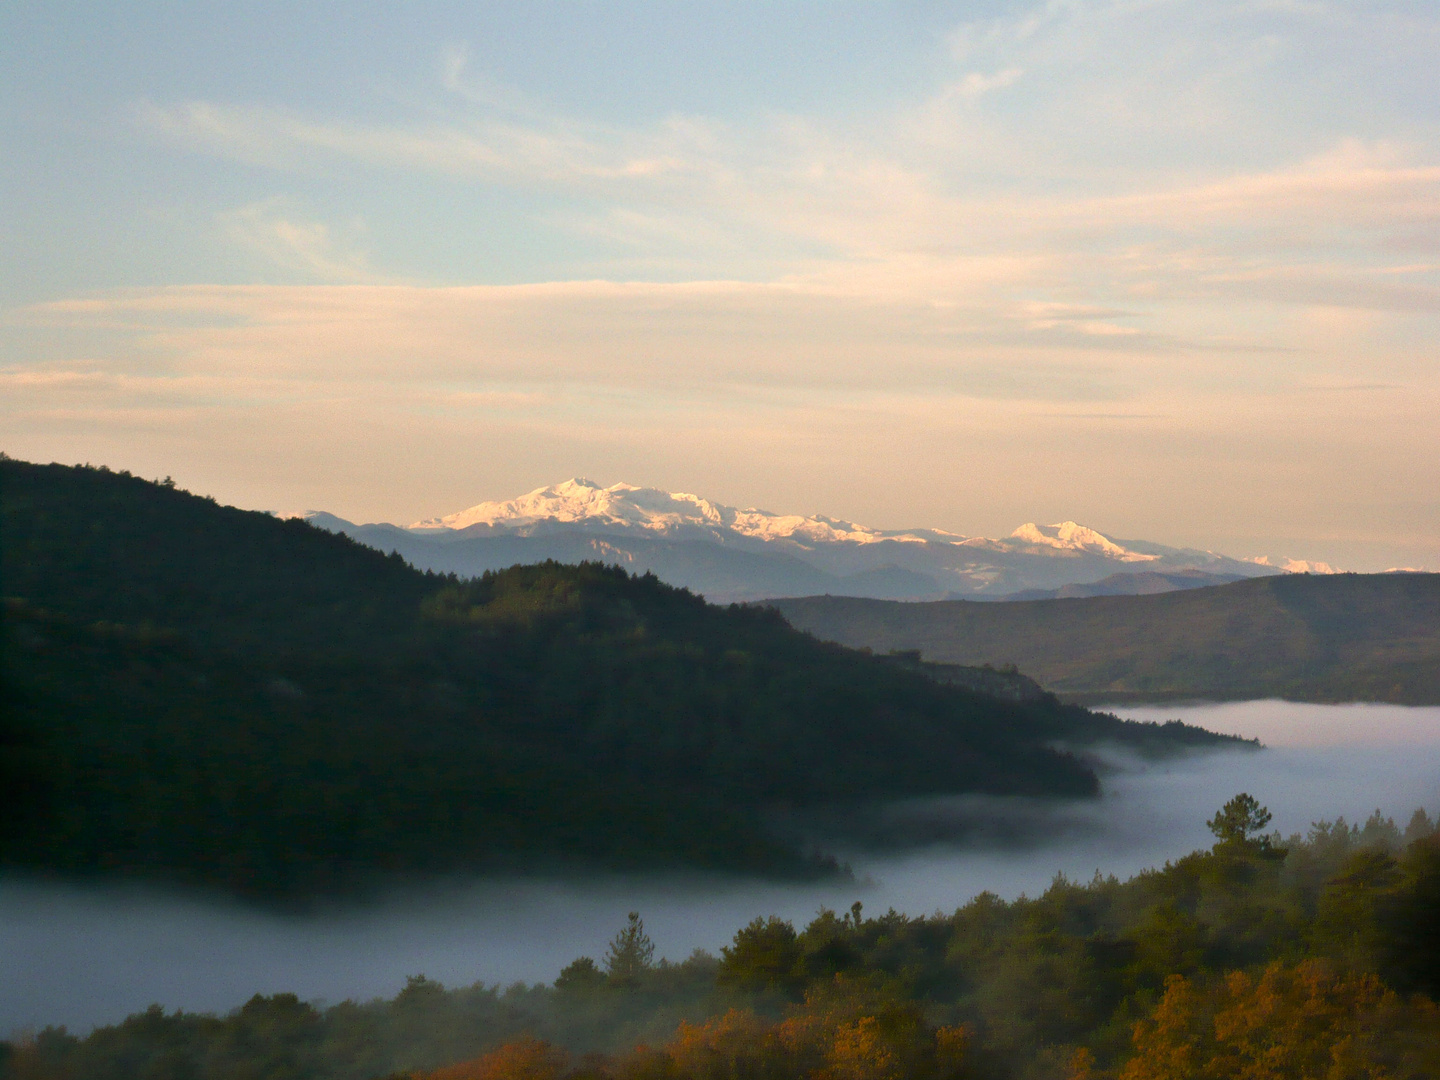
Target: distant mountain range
column 729, row 554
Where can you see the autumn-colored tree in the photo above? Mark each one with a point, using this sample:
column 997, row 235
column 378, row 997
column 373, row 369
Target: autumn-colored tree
column 1307, row 1022
column 859, row 1033
column 1081, row 1065
column 527, row 1059
column 843, row 1032
column 860, row 1050
column 736, row 1045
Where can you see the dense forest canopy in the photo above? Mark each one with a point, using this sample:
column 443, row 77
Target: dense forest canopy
column 1304, row 958
column 1302, row 637
column 200, row 693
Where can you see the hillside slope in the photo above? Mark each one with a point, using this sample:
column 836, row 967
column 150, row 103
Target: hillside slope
column 1344, row 637
column 198, row 692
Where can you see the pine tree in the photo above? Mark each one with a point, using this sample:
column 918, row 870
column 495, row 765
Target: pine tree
column 631, row 954
column 1237, row 820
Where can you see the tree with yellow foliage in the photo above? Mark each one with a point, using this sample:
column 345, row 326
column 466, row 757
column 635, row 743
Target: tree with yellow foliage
column 526, row 1059
column 1306, row 1022
column 845, row 1032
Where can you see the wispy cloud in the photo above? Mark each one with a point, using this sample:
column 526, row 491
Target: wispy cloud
column 887, row 203
column 976, row 83
column 310, row 247
column 481, row 149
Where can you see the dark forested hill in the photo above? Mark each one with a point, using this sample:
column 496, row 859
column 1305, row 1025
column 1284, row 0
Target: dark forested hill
column 198, row 692
column 1346, row 637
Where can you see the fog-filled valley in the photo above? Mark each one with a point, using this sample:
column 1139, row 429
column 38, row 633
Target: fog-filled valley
column 83, row 956
column 274, row 804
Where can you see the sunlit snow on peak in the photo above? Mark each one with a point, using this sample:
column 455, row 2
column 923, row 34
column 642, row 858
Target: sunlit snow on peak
column 931, row 562
column 630, row 507
column 1296, row 566
column 1070, row 536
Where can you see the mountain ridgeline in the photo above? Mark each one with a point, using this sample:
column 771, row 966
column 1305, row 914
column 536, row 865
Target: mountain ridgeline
column 729, row 554
column 1325, row 638
column 194, row 692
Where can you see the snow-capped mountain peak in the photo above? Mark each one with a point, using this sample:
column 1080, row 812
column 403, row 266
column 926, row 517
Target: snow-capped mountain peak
column 1295, row 566
column 575, row 500
column 624, row 506
column 1070, row 536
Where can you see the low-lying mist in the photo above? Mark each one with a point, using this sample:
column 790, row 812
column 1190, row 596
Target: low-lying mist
column 85, row 956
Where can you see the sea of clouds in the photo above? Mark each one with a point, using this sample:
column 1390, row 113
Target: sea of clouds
column 87, row 956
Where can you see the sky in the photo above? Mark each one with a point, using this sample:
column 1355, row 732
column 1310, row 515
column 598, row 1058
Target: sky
column 1167, row 268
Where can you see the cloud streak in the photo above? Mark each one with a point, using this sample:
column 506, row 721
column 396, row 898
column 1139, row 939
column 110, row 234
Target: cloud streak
column 818, row 206
column 482, row 149
column 309, row 247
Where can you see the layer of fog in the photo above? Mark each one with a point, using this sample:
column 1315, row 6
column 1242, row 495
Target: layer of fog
column 85, row 956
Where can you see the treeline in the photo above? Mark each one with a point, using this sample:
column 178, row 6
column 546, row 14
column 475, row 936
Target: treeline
column 197, row 693
column 1311, row 958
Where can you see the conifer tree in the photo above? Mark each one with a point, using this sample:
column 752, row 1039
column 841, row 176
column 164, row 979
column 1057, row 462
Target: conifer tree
column 1237, row 820
column 631, row 954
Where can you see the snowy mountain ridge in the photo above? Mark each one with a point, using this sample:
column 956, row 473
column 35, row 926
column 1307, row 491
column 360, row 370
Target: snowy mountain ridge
column 727, row 553
column 623, row 506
